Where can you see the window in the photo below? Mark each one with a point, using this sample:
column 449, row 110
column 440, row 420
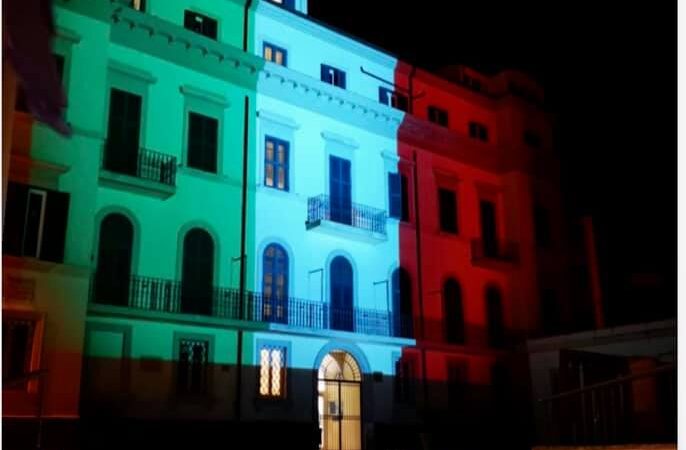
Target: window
column 113, row 272
column 398, row 200
column 275, row 54
column 494, row 315
column 276, row 163
column 457, row 382
column 334, row 76
column 138, row 5
column 36, row 224
column 489, row 232
column 341, row 297
column 275, row 284
column 405, row 380
column 20, row 103
column 393, row 99
column 532, row 139
column 478, row 131
column 447, row 206
column 197, row 277
column 202, row 142
column 542, row 227
column 290, row 4
column 192, row 366
column 438, row 116
column 17, row 346
column 200, row 24
column 123, row 132
column 453, row 312
column 401, row 296
column 272, row 372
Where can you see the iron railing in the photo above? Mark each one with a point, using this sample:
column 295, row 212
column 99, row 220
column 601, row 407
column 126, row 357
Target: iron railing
column 503, row 251
column 355, row 215
column 156, row 294
column 639, row 408
column 147, row 164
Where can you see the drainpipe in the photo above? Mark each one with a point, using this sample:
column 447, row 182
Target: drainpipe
column 420, row 281
column 244, row 209
column 246, row 23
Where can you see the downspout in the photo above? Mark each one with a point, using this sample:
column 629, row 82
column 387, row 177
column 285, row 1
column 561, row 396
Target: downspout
column 420, row 281
column 244, row 209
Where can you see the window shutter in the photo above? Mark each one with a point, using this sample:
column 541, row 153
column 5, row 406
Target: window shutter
column 211, row 144
column 405, row 199
column 13, row 233
column 325, row 74
column 383, row 96
column 55, row 226
column 341, row 78
column 394, row 195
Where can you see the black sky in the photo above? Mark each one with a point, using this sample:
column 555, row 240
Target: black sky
column 609, row 70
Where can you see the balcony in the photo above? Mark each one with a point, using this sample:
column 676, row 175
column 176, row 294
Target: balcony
column 168, row 296
column 141, row 170
column 354, row 220
column 490, row 253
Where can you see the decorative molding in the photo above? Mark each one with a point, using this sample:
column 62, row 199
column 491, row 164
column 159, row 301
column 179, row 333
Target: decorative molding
column 278, row 119
column 390, row 156
column 207, row 96
column 130, row 71
column 340, row 139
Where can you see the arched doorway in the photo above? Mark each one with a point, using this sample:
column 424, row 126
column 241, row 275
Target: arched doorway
column 115, row 250
column 197, row 272
column 341, row 283
column 338, row 402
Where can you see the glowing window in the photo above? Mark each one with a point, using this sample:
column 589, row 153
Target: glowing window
column 276, row 163
column 272, row 372
column 275, row 54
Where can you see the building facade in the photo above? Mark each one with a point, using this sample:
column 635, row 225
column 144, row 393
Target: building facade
column 262, row 220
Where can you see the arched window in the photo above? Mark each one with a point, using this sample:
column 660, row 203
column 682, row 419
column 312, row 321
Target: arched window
column 113, row 272
column 341, row 283
column 275, row 284
column 494, row 315
column 197, row 272
column 401, row 295
column 453, row 311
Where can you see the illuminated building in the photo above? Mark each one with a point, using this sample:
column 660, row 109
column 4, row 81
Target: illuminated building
column 262, row 220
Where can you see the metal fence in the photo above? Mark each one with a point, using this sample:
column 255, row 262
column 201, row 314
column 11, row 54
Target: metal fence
column 359, row 216
column 147, row 165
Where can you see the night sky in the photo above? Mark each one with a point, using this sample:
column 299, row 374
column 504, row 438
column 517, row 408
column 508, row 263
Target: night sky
column 609, row 70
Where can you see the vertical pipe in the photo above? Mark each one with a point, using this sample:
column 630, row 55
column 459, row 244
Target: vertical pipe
column 593, row 274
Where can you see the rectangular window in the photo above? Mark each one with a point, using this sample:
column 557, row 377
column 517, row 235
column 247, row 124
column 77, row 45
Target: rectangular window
column 200, row 24
column 17, row 346
column 290, row 4
column 393, row 99
column 20, row 102
column 478, row 131
column 192, row 366
column 438, row 116
column 276, row 163
column 542, row 227
column 272, row 383
column 404, row 380
column 532, row 139
column 447, row 205
column 275, row 54
column 334, row 76
column 202, row 142
column 37, row 222
column 398, row 200
column 123, row 132
column 489, row 232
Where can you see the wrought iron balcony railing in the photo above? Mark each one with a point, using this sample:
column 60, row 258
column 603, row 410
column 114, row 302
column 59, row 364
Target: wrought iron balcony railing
column 502, row 251
column 364, row 217
column 155, row 294
column 143, row 163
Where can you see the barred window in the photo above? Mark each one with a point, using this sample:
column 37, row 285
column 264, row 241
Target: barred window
column 192, row 366
column 272, row 372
